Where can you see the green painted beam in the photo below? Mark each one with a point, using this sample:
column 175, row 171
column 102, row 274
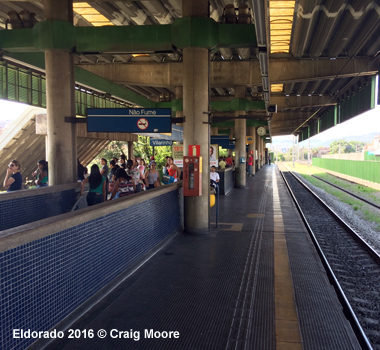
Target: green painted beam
column 184, row 32
column 129, row 39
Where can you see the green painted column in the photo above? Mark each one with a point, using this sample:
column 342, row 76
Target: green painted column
column 60, row 102
column 240, row 143
column 196, row 128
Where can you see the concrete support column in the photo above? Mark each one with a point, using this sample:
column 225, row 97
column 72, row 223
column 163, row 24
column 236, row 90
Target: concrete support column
column 252, row 147
column 130, row 149
column 179, row 96
column 196, row 132
column 196, row 127
column 240, row 143
column 60, row 102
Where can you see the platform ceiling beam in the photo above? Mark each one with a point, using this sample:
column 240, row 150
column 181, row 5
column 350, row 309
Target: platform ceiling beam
column 184, row 32
column 229, row 73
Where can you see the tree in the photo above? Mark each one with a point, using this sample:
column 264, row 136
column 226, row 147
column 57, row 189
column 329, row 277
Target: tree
column 343, row 146
column 113, row 150
column 143, row 149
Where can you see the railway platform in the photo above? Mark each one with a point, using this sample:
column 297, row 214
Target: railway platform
column 256, row 282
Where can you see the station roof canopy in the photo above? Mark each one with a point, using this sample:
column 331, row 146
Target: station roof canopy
column 304, row 56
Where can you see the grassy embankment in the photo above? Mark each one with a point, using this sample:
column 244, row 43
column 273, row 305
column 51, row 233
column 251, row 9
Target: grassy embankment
column 360, row 190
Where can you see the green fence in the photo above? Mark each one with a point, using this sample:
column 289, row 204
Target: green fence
column 365, row 170
column 371, row 157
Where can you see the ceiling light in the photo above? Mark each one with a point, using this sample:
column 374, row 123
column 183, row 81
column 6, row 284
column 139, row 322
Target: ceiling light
column 281, row 22
column 90, row 14
column 277, row 87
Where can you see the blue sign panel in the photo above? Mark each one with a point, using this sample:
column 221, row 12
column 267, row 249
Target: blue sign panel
column 175, row 135
column 221, row 140
column 137, row 120
column 160, row 142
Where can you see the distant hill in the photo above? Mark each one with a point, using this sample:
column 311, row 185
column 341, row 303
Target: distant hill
column 315, row 143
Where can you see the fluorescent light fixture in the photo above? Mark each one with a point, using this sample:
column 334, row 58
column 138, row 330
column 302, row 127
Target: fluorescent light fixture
column 281, row 22
column 277, row 87
column 90, row 14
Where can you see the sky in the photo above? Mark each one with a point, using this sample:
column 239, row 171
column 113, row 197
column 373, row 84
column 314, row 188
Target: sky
column 363, row 124
column 11, row 110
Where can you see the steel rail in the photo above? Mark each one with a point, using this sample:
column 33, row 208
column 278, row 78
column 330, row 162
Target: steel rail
column 358, row 330
column 350, row 193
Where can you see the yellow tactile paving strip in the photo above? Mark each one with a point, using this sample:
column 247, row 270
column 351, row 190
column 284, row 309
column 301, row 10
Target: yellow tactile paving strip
column 288, row 336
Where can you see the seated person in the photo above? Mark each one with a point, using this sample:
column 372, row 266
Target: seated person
column 214, row 175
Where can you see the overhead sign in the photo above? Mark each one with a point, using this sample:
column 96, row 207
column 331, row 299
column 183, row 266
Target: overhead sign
column 136, row 120
column 160, row 142
column 221, row 140
column 175, row 135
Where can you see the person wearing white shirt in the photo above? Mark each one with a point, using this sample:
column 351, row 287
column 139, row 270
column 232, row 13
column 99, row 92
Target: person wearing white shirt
column 214, row 175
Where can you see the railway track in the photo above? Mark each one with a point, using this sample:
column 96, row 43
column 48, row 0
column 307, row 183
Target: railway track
column 353, row 265
column 349, row 192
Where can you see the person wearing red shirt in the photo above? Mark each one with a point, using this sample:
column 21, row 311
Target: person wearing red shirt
column 229, row 161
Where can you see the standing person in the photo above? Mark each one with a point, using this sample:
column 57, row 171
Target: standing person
column 112, row 172
column 123, row 184
column 41, row 174
column 13, row 177
column 152, row 177
column 104, row 172
column 97, row 192
column 269, row 159
column 222, row 163
column 173, row 170
column 104, row 169
column 229, row 161
column 141, row 166
column 250, row 164
column 123, row 161
column 166, row 167
column 111, row 175
column 135, row 174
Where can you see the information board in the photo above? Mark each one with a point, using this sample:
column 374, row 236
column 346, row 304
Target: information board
column 133, row 120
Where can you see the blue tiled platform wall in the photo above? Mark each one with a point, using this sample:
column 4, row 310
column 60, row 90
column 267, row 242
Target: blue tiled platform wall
column 45, row 280
column 20, row 211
